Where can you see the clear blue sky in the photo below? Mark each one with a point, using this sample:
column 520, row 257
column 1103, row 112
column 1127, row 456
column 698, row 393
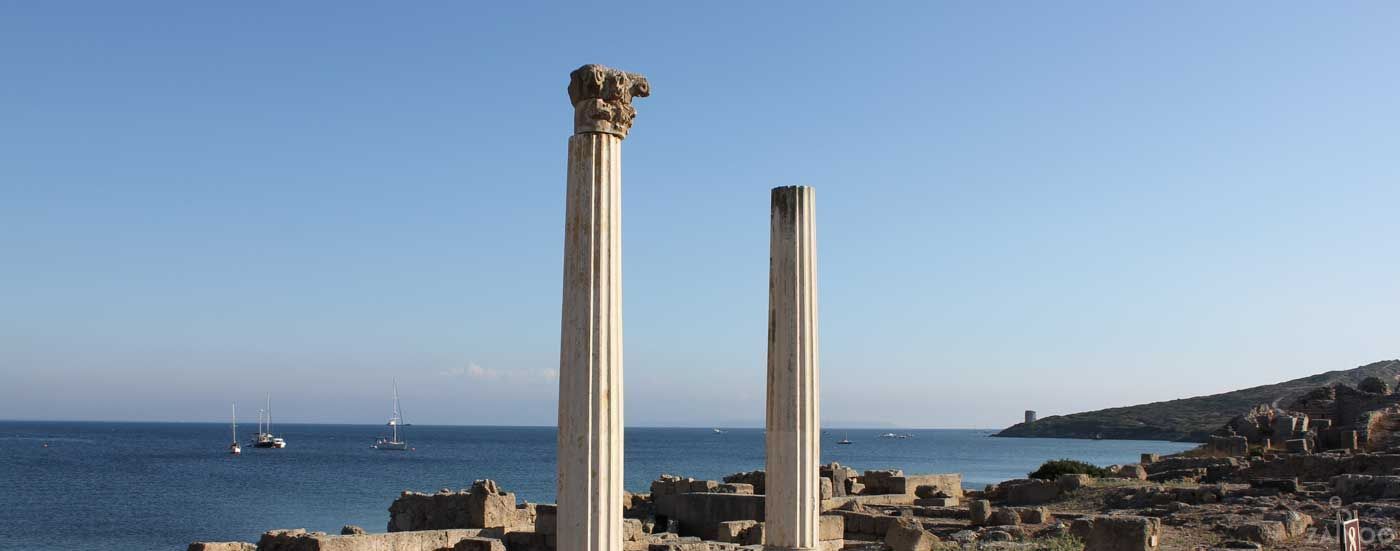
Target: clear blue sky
column 1057, row 206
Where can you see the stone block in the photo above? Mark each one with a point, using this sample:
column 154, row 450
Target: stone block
column 1030, row 491
column 753, row 478
column 826, row 488
column 1117, row 533
column 937, row 502
column 480, row 544
column 1149, row 458
column 632, row 530
column 1073, row 482
column 483, row 506
column 703, row 485
column 854, row 487
column 222, row 546
column 300, row 540
column 755, row 535
column 1032, row 515
column 699, row 514
column 1298, row 445
column 734, row 488
column 1135, row 472
column 546, row 518
column 1004, row 517
column 831, row 527
column 1283, row 485
column 734, row 531
column 908, row 535
column 1266, row 532
column 979, row 511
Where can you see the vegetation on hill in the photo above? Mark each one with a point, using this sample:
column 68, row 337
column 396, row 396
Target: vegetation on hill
column 1189, row 419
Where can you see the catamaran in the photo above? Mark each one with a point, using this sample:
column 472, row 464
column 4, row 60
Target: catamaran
column 393, row 443
column 264, row 437
column 233, row 448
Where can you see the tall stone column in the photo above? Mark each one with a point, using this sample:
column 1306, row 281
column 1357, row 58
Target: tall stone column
column 793, row 446
column 590, row 350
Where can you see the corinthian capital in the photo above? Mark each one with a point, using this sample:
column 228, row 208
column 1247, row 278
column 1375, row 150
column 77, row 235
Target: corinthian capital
column 602, row 98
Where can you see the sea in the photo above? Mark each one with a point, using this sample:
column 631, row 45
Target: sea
column 160, row 486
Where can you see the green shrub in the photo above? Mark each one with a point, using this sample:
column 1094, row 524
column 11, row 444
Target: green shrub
column 1050, row 470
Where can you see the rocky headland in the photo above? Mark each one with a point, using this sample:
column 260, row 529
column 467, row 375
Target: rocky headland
column 1190, row 419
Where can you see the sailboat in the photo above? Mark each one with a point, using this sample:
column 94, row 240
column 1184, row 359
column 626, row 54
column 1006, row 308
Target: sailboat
column 264, row 437
column 234, row 448
column 845, row 440
column 393, row 443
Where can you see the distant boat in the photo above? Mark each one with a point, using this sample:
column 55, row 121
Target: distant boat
column 264, row 437
column 845, row 440
column 717, row 431
column 393, row 443
column 889, row 435
column 233, row 448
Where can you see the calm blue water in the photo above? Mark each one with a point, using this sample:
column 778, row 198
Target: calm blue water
column 142, row 486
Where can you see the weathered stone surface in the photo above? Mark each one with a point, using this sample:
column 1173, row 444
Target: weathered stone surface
column 479, row 544
column 1136, row 472
column 979, row 511
column 546, row 518
column 1004, row 517
column 1073, row 482
column 632, row 530
column 351, row 530
column 832, row 527
column 1030, row 491
column 1267, row 532
column 734, row 531
column 1117, row 533
column 827, row 491
column 937, row 502
column 1149, row 458
column 1358, row 486
column 602, row 99
column 222, row 546
column 483, row 506
column 755, row 479
column 1298, row 445
column 300, row 540
column 907, row 535
column 699, row 514
column 1032, row 515
column 734, row 488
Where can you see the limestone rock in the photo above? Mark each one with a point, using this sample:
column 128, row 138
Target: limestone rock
column 979, row 511
column 1117, row 533
column 909, row 535
column 1004, row 517
column 351, row 530
column 1267, row 532
column 1073, row 482
column 222, row 546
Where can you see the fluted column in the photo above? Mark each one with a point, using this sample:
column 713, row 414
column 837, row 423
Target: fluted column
column 590, row 350
column 793, row 500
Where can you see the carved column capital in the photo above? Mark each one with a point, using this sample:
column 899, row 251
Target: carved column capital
column 602, row 98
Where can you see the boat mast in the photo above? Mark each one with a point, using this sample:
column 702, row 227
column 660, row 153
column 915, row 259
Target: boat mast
column 234, row 428
column 396, row 418
column 269, row 413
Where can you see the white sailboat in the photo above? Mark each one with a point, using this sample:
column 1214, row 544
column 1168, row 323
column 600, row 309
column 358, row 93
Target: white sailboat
column 234, row 448
column 393, row 442
column 264, row 437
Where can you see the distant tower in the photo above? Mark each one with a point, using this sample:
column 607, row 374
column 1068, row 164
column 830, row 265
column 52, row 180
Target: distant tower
column 1030, row 416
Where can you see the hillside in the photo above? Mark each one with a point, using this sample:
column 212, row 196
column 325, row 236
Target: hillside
column 1188, row 419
